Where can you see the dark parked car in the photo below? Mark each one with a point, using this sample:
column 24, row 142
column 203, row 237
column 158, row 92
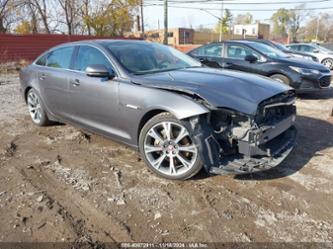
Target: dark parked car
column 180, row 115
column 258, row 58
column 286, row 50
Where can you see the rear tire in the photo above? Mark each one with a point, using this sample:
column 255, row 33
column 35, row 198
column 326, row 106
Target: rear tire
column 168, row 148
column 36, row 108
column 280, row 78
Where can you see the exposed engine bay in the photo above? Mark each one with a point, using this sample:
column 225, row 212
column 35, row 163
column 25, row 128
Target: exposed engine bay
column 240, row 143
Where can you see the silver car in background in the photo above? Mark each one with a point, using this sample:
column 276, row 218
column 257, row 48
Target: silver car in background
column 324, row 55
column 180, row 115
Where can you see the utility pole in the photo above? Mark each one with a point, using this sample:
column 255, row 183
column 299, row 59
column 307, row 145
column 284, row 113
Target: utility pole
column 165, row 40
column 317, row 29
column 221, row 20
column 142, row 21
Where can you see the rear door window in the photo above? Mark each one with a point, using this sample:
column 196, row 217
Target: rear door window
column 60, row 58
column 213, row 50
column 87, row 56
column 42, row 60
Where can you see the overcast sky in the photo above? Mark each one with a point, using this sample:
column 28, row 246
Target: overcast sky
column 179, row 17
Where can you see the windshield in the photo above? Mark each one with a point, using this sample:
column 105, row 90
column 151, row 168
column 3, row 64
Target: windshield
column 268, row 50
column 144, row 57
column 281, row 46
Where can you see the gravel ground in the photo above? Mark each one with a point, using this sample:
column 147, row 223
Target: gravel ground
column 60, row 184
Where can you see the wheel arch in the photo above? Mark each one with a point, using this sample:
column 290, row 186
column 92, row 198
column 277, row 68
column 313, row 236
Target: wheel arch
column 281, row 73
column 146, row 117
column 177, row 113
column 325, row 58
column 26, row 90
column 271, row 73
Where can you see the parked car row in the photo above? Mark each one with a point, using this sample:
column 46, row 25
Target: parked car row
column 286, row 50
column 295, row 69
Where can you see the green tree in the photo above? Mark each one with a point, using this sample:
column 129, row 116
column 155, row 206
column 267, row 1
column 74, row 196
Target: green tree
column 281, row 20
column 225, row 22
column 112, row 19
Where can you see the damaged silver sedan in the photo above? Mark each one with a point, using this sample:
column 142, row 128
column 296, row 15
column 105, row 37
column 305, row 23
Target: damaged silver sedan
column 181, row 115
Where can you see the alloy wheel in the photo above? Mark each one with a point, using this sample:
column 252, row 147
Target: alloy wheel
column 169, row 148
column 34, row 106
column 328, row 63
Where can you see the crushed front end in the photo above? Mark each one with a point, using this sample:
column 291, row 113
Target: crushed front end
column 240, row 143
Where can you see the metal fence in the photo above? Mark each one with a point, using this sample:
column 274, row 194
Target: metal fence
column 28, row 47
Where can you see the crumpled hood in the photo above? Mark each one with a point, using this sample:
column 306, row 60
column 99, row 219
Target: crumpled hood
column 220, row 88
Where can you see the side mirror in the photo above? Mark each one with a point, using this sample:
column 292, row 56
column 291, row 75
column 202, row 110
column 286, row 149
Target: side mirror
column 251, row 58
column 316, row 50
column 99, row 71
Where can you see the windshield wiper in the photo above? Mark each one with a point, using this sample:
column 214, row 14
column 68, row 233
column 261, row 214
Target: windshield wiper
column 155, row 71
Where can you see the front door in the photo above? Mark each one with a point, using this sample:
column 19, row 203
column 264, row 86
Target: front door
column 94, row 100
column 234, row 58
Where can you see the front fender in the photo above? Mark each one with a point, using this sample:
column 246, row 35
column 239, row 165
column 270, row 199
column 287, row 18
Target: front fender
column 180, row 106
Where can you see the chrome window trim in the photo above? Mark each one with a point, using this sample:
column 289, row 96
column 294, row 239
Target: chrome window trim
column 73, row 70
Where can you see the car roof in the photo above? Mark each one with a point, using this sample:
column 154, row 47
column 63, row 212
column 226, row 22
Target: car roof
column 301, row 43
column 100, row 42
column 249, row 42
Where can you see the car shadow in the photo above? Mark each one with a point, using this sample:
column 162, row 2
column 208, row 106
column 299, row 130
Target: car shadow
column 326, row 94
column 314, row 135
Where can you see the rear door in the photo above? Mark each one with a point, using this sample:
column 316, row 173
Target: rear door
column 210, row 55
column 234, row 58
column 93, row 100
column 53, row 80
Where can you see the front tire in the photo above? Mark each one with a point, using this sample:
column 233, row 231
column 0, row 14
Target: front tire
column 328, row 62
column 168, row 147
column 36, row 109
column 280, row 78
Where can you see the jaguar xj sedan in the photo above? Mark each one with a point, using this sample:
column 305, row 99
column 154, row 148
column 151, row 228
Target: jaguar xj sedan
column 180, row 115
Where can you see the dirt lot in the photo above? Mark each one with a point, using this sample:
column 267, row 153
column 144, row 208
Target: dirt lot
column 60, row 184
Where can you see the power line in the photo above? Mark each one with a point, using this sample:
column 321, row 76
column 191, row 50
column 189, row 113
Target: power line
column 215, row 9
column 240, row 3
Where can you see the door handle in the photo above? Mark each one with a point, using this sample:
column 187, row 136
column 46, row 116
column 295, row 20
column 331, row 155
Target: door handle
column 42, row 76
column 76, row 82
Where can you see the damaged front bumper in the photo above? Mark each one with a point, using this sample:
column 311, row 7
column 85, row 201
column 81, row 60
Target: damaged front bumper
column 276, row 151
column 263, row 149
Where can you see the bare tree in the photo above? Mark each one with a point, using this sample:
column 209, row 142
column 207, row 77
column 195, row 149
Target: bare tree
column 246, row 18
column 85, row 14
column 40, row 8
column 296, row 17
column 70, row 11
column 7, row 16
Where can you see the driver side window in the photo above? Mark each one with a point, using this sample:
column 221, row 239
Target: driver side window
column 88, row 55
column 240, row 52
